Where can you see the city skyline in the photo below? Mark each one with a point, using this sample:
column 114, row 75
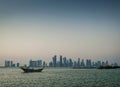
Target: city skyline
column 33, row 29
column 57, row 61
column 61, row 61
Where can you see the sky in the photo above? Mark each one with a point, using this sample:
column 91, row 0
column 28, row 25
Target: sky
column 40, row 29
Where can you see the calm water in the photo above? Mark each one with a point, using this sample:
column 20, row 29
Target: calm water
column 60, row 78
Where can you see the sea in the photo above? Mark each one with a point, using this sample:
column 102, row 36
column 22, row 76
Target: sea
column 60, row 77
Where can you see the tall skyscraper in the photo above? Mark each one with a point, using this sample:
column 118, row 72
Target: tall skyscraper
column 78, row 63
column 18, row 64
column 50, row 64
column 70, row 63
column 75, row 64
column 106, row 63
column 88, row 63
column 54, row 61
column 82, row 63
column 11, row 63
column 44, row 64
column 39, row 63
column 60, row 60
column 64, row 62
column 99, row 63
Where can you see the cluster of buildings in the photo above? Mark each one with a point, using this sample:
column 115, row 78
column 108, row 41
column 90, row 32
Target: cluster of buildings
column 62, row 62
column 37, row 63
column 9, row 63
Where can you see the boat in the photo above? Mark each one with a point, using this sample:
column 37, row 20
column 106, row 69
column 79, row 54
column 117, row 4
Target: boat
column 108, row 67
column 28, row 69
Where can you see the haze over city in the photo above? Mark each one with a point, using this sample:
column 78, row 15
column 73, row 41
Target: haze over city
column 40, row 29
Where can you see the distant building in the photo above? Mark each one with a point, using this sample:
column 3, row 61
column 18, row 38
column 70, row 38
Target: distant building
column 50, row 64
column 18, row 64
column 78, row 63
column 114, row 64
column 82, row 63
column 70, row 63
column 8, row 63
column 99, row 63
column 54, row 61
column 88, row 63
column 60, row 60
column 13, row 65
column 64, row 62
column 75, row 64
column 106, row 63
column 44, row 64
column 93, row 64
column 103, row 63
column 37, row 63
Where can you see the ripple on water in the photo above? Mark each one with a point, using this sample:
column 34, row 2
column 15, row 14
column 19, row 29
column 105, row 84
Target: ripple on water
column 60, row 78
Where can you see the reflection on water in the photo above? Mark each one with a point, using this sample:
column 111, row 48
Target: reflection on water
column 60, row 78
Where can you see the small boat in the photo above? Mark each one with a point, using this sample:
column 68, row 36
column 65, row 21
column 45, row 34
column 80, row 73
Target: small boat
column 108, row 67
column 27, row 69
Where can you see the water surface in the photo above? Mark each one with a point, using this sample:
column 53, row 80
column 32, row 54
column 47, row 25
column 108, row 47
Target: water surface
column 60, row 78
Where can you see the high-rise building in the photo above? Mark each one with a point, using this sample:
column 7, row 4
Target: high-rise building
column 44, row 64
column 70, row 63
column 64, row 62
column 8, row 63
column 106, row 63
column 67, row 63
column 18, row 64
column 54, row 61
column 60, row 60
column 82, row 63
column 78, row 63
column 50, row 64
column 103, row 63
column 93, row 64
column 31, row 63
column 11, row 64
column 88, row 63
column 99, row 63
column 75, row 64
column 37, row 63
column 115, row 64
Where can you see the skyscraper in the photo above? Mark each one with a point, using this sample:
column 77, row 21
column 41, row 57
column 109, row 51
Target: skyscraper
column 60, row 60
column 18, row 64
column 37, row 63
column 64, row 62
column 54, row 61
column 70, row 63
column 75, row 64
column 88, row 63
column 44, row 64
column 82, row 63
column 78, row 63
column 99, row 63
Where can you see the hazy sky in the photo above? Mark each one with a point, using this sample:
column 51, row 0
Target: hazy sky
column 39, row 29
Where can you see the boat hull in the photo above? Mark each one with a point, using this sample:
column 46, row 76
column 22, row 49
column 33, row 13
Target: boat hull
column 108, row 67
column 31, row 70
